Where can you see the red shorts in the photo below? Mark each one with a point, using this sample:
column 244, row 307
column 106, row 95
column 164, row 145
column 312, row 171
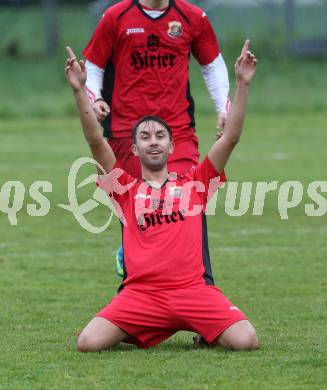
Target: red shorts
column 184, row 157
column 150, row 317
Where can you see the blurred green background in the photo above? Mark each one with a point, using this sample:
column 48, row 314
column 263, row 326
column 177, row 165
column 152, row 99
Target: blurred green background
column 291, row 50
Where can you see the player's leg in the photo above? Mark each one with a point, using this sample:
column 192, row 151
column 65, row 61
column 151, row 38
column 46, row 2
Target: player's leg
column 185, row 155
column 119, row 264
column 206, row 311
column 98, row 335
column 144, row 317
column 239, row 336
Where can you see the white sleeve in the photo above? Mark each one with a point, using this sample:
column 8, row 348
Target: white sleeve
column 215, row 76
column 94, row 81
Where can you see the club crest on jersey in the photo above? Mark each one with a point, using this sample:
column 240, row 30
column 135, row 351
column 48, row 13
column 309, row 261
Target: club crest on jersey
column 174, row 29
column 153, row 42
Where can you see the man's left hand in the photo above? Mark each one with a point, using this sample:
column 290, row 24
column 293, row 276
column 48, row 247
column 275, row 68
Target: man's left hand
column 245, row 65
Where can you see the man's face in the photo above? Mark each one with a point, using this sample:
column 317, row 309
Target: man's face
column 153, row 145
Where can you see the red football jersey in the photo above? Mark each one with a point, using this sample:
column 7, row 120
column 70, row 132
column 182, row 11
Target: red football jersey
column 164, row 230
column 147, row 62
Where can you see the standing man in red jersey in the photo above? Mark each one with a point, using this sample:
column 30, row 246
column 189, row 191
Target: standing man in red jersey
column 138, row 64
column 166, row 288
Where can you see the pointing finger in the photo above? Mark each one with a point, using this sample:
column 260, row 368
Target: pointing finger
column 70, row 53
column 245, row 47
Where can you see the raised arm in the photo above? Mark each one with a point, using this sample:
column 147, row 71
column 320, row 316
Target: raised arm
column 221, row 150
column 76, row 76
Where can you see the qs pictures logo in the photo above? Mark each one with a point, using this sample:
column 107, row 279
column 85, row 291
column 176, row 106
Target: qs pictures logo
column 99, row 197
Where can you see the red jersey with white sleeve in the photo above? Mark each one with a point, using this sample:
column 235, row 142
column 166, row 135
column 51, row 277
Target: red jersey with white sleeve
column 164, row 231
column 147, row 63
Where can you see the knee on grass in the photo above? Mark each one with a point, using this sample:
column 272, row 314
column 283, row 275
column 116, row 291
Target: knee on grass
column 247, row 341
column 240, row 336
column 89, row 343
column 84, row 344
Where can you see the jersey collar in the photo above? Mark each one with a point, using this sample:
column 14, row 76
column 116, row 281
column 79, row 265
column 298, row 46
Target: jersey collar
column 172, row 176
column 137, row 3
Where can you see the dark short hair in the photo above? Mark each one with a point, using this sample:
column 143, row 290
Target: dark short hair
column 150, row 118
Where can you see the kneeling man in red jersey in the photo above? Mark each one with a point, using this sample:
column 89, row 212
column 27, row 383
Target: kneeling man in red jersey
column 168, row 284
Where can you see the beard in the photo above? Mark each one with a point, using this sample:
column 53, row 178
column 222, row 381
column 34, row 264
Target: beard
column 154, row 163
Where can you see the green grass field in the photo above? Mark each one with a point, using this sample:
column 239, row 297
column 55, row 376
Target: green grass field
column 54, row 276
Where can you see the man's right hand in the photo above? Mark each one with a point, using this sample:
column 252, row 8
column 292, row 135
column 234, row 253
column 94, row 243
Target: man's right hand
column 75, row 71
column 101, row 109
